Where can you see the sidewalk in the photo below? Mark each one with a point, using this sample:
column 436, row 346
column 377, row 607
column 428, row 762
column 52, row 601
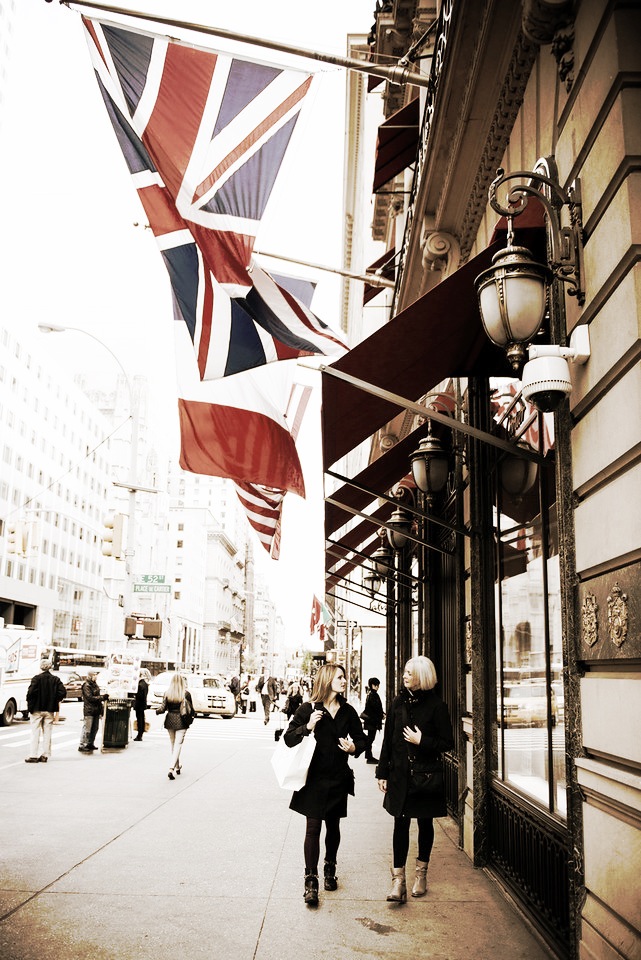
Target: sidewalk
column 104, row 858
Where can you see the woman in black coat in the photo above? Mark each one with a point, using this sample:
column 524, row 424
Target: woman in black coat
column 417, row 728
column 338, row 732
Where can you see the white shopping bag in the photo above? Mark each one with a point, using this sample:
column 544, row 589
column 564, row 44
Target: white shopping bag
column 292, row 763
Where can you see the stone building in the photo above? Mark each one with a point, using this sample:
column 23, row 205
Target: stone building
column 518, row 570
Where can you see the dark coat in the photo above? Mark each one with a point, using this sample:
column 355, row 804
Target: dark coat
column 92, row 699
column 174, row 719
column 425, row 710
column 373, row 713
column 140, row 700
column 45, row 693
column 330, row 778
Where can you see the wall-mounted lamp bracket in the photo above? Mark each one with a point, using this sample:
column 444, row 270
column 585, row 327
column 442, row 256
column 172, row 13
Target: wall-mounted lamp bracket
column 566, row 242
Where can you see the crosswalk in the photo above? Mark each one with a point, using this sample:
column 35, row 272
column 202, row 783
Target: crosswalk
column 15, row 740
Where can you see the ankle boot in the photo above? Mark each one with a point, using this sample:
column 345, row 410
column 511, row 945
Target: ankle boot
column 398, row 893
column 311, row 888
column 331, row 883
column 420, row 883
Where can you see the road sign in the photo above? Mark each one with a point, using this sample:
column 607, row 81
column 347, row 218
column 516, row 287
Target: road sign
column 152, row 578
column 152, row 588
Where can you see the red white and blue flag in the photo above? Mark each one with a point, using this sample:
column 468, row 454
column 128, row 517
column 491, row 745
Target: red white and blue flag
column 264, row 505
column 204, row 135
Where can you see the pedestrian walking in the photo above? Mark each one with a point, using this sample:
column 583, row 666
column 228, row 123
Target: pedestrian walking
column 417, row 731
column 293, row 700
column 335, row 725
column 372, row 716
column 140, row 701
column 92, row 705
column 262, row 691
column 178, row 706
column 273, row 689
column 45, row 693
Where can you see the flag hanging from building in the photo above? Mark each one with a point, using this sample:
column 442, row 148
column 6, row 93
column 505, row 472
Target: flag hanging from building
column 234, row 427
column 264, row 505
column 204, row 135
column 315, row 619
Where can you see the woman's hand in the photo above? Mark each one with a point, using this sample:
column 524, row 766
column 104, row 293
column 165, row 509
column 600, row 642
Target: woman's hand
column 314, row 718
column 382, row 786
column 347, row 744
column 412, row 734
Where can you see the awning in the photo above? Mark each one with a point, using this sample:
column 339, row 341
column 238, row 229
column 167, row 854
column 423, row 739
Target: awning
column 380, row 476
column 439, row 335
column 397, row 143
column 387, row 266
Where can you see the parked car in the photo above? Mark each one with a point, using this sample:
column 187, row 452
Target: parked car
column 525, row 705
column 73, row 682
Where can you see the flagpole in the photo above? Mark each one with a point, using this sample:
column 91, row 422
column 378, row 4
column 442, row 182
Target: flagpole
column 400, row 73
column 373, row 279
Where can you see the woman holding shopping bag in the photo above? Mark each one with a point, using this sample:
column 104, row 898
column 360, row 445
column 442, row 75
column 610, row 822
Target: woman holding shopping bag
column 335, row 725
column 178, row 706
column 409, row 772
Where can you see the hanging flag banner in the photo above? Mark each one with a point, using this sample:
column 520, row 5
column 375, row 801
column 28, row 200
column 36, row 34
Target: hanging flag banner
column 204, row 135
column 264, row 505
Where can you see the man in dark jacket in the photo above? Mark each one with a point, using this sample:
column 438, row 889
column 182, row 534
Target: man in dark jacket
column 44, row 695
column 92, row 700
column 140, row 701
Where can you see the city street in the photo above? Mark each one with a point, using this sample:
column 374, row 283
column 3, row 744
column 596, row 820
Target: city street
column 104, row 857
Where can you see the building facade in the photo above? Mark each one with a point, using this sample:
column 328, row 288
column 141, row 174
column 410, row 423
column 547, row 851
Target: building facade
column 519, row 575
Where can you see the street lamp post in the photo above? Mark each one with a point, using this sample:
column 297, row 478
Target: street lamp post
column 131, row 484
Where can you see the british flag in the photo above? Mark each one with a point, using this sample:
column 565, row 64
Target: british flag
column 264, row 505
column 204, row 135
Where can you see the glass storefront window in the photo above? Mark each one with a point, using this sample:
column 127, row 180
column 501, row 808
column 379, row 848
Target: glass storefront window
column 530, row 717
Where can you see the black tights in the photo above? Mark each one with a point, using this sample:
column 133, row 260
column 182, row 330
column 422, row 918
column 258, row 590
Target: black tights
column 312, row 841
column 401, row 839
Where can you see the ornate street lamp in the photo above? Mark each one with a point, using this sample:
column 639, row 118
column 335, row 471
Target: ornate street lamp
column 399, row 527
column 430, row 465
column 512, row 293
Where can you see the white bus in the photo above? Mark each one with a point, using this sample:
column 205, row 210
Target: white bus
column 20, row 653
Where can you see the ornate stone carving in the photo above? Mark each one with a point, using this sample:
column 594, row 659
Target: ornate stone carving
column 589, row 611
column 618, row 615
column 468, row 641
column 387, row 440
column 563, row 53
column 542, row 18
column 440, row 252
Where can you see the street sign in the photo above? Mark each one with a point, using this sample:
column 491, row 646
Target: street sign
column 152, row 578
column 152, row 588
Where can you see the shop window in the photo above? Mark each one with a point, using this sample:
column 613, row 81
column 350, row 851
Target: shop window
column 530, row 716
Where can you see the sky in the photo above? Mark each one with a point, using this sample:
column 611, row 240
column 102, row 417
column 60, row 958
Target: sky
column 75, row 250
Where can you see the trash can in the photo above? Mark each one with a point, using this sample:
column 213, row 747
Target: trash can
column 115, row 730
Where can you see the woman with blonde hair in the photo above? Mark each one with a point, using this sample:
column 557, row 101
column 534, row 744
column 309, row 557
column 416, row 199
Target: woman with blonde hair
column 335, row 725
column 417, row 731
column 178, row 706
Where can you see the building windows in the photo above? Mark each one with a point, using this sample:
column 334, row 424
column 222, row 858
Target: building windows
column 529, row 661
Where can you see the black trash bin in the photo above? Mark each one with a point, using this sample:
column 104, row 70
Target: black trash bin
column 115, row 731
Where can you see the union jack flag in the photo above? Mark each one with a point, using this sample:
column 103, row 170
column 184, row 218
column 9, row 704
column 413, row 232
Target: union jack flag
column 204, row 135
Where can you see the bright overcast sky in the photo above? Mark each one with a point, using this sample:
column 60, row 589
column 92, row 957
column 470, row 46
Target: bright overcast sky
column 72, row 255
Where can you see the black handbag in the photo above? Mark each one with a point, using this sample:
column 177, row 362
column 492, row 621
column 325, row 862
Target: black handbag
column 426, row 779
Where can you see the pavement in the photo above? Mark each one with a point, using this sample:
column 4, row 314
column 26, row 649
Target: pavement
column 103, row 857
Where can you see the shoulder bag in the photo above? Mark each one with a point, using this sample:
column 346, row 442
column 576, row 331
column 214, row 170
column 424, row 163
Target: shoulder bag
column 186, row 712
column 291, row 764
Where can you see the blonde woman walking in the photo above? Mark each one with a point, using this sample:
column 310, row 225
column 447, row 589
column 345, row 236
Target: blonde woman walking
column 338, row 732
column 178, row 706
column 417, row 731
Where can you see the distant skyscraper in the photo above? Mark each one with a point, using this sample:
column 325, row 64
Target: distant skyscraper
column 7, row 18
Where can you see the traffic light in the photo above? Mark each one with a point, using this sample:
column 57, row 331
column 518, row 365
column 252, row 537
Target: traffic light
column 112, row 536
column 17, row 537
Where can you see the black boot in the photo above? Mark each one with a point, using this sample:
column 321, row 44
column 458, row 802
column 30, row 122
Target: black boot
column 311, row 888
column 331, row 883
